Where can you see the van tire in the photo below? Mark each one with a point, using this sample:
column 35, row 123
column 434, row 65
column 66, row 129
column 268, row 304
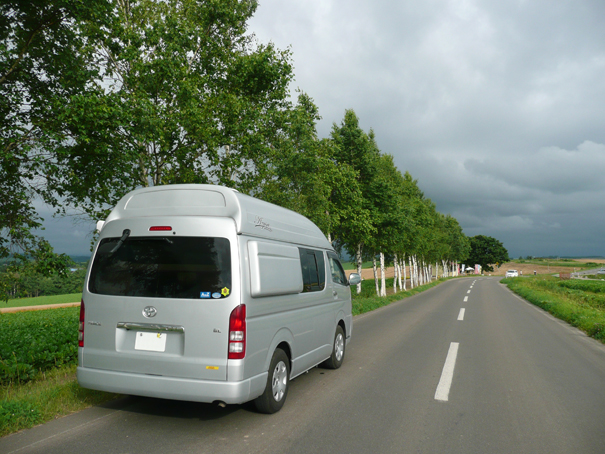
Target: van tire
column 278, row 383
column 338, row 350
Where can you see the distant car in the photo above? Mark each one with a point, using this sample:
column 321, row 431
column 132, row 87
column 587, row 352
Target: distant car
column 512, row 273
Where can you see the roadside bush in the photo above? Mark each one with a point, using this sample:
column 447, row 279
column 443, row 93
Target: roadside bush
column 33, row 342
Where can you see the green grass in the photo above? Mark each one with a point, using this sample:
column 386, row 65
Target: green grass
column 43, row 300
column 353, row 266
column 582, row 307
column 53, row 394
column 367, row 300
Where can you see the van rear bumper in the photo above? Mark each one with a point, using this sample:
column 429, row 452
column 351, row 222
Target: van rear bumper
column 171, row 387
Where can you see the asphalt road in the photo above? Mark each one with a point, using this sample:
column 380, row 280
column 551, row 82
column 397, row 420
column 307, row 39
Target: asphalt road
column 515, row 381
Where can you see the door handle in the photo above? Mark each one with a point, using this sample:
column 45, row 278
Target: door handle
column 334, row 292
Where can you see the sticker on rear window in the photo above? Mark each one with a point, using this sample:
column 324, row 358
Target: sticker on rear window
column 216, row 295
column 225, row 291
column 204, row 294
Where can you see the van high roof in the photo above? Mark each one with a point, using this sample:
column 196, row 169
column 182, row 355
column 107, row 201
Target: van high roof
column 252, row 216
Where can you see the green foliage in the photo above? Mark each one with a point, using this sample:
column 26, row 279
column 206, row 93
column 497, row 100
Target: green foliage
column 41, row 65
column 45, row 273
column 582, row 309
column 18, row 414
column 33, row 342
column 29, row 283
column 188, row 96
column 309, row 179
column 486, row 251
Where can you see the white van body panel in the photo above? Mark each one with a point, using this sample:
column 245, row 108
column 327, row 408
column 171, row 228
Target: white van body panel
column 266, row 244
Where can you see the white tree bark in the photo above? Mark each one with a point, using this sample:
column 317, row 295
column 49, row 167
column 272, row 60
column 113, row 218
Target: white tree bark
column 399, row 262
column 359, row 265
column 414, row 271
column 404, row 276
column 396, row 273
column 383, row 281
column 411, row 267
column 375, row 276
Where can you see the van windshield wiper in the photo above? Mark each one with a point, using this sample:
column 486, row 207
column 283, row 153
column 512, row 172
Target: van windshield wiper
column 125, row 235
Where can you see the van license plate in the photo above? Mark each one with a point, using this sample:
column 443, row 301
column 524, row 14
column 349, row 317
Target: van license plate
column 152, row 342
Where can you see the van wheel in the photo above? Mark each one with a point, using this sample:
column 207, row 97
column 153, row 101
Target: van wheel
column 278, row 382
column 338, row 350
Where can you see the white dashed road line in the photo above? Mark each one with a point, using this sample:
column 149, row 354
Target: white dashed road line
column 445, row 383
column 461, row 314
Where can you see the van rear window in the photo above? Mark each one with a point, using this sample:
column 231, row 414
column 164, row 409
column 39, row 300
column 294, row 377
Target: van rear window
column 162, row 267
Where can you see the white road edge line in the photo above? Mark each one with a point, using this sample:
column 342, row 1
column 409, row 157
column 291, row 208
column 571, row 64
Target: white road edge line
column 445, row 383
column 461, row 314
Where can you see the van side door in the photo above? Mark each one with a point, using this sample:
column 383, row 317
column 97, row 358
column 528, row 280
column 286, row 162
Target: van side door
column 340, row 291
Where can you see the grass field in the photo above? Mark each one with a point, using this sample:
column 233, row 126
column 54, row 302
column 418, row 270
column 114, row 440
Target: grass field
column 42, row 300
column 579, row 303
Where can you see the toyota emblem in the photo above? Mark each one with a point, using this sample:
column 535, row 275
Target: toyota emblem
column 150, row 311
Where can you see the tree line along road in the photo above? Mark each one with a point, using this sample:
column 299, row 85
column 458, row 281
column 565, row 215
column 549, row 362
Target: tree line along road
column 465, row 367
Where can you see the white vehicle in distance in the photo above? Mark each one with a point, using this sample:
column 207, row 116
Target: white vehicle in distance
column 200, row 293
column 512, row 273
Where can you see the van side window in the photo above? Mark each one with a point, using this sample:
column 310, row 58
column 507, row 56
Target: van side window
column 313, row 270
column 338, row 273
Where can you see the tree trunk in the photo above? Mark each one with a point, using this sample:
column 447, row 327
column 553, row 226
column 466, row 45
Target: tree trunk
column 359, row 265
column 411, row 265
column 375, row 275
column 412, row 279
column 383, row 282
column 399, row 266
column 396, row 273
column 404, row 276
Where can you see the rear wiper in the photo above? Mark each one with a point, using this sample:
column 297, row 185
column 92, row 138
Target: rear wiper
column 125, row 235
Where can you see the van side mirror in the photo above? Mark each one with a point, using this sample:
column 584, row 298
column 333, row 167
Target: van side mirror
column 354, row 279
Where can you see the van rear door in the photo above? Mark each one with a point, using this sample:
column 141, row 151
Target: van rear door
column 159, row 297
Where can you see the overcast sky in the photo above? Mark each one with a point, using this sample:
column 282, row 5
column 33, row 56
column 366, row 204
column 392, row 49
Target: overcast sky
column 497, row 108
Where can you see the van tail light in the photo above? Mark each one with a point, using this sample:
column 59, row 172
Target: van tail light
column 81, row 327
column 237, row 333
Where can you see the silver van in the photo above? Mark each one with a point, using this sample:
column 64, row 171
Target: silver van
column 200, row 293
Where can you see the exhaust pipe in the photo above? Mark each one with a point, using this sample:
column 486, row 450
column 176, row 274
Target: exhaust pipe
column 220, row 403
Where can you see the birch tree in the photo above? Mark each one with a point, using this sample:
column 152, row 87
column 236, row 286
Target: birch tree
column 355, row 148
column 40, row 65
column 184, row 95
column 308, row 179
